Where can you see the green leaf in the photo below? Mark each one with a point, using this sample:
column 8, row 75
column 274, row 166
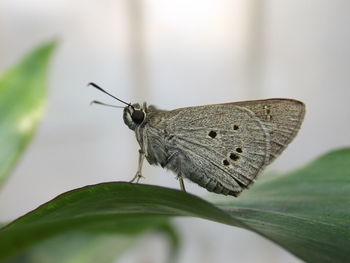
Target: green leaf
column 306, row 211
column 22, row 103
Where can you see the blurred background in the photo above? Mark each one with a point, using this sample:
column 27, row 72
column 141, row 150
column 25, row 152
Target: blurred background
column 173, row 54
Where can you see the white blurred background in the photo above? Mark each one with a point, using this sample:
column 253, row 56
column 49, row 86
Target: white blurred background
column 173, row 54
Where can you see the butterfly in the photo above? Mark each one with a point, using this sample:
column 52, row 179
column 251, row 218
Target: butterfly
column 221, row 147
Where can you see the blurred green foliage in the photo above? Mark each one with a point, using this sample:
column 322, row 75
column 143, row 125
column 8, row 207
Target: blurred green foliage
column 22, row 104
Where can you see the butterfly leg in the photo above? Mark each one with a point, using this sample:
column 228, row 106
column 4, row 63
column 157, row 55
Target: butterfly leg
column 182, row 184
column 138, row 174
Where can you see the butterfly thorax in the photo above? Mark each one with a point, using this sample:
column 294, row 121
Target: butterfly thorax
column 141, row 119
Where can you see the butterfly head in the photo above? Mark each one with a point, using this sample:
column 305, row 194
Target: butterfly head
column 134, row 115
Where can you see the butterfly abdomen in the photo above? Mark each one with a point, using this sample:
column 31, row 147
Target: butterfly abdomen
column 211, row 184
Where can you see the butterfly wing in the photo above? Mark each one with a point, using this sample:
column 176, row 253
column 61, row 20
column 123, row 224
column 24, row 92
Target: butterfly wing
column 223, row 147
column 282, row 119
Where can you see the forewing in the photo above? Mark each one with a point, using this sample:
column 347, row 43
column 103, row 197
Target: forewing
column 226, row 143
column 282, row 119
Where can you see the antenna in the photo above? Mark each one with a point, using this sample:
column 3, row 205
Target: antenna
column 101, row 89
column 104, row 104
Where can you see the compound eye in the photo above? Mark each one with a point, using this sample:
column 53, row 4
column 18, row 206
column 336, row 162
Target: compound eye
column 138, row 116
